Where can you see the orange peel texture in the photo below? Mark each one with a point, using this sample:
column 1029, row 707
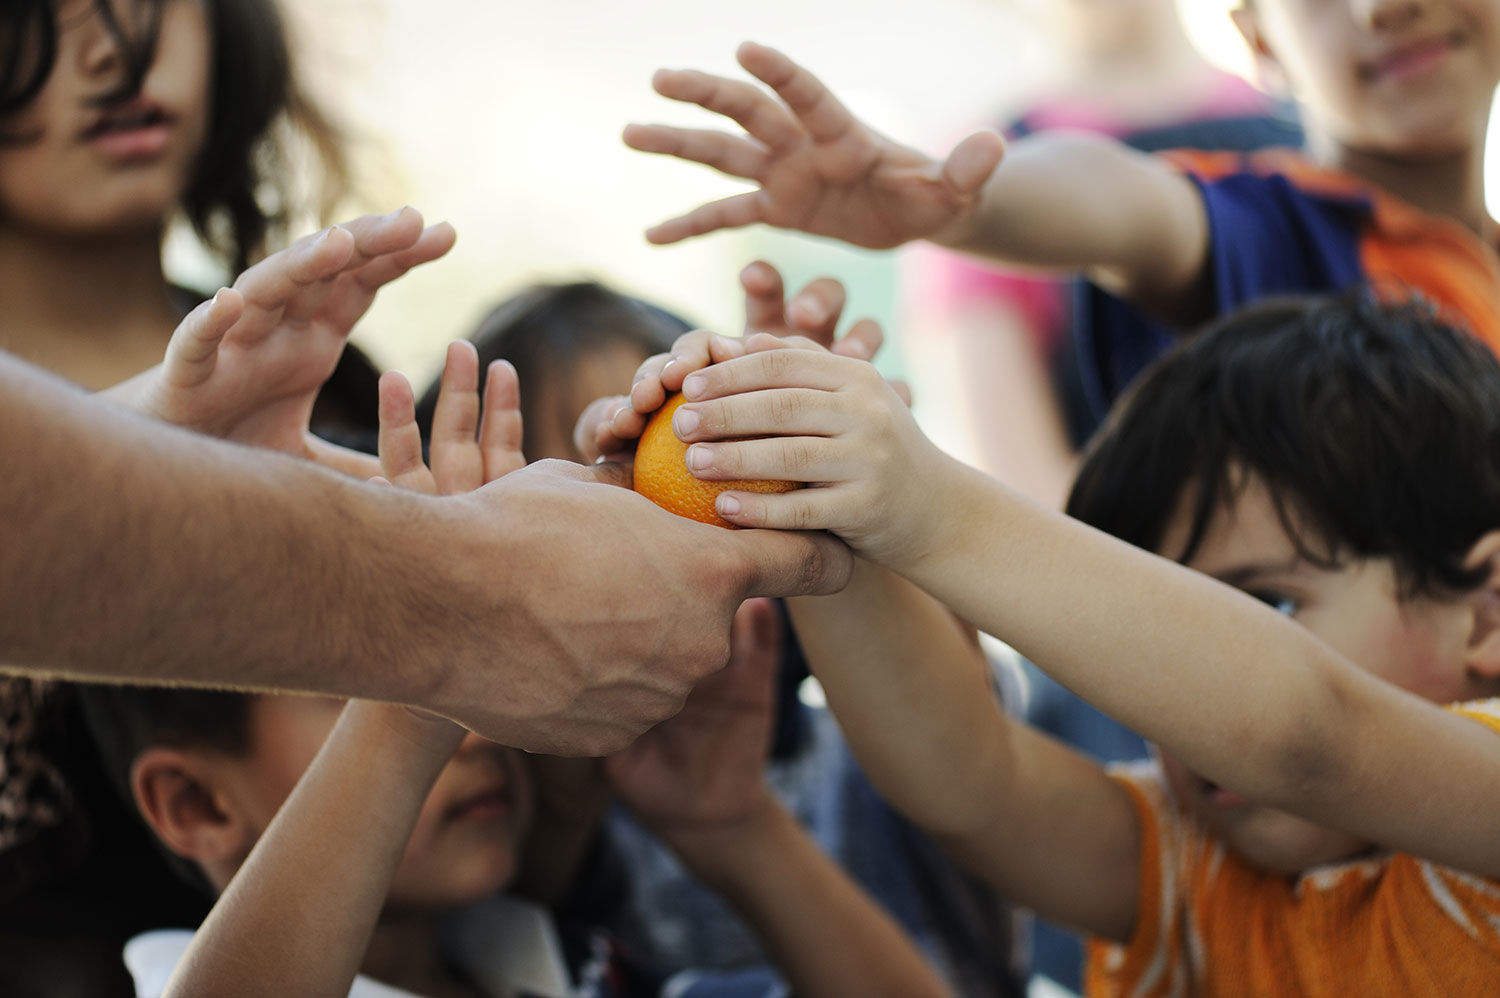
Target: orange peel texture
column 662, row 475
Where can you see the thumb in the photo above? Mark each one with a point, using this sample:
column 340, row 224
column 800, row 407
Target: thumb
column 792, row 563
column 972, row 161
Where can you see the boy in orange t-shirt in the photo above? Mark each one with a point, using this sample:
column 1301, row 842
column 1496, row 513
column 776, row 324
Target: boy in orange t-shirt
column 1313, row 646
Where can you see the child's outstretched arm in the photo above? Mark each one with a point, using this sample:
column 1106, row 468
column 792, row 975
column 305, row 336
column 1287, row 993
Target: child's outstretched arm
column 1168, row 651
column 697, row 780
column 1071, row 203
column 298, row 915
column 247, row 364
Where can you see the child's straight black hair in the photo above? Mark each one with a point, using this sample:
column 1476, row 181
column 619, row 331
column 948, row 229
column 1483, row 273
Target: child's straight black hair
column 1375, row 427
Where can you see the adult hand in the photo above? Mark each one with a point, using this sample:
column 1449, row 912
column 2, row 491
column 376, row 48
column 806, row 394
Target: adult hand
column 603, row 610
column 817, row 168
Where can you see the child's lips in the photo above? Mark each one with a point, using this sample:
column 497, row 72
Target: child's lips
column 486, row 805
column 1412, row 59
column 137, row 129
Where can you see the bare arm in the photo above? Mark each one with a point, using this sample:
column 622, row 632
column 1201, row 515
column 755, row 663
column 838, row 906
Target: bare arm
column 1072, row 203
column 824, row 933
column 130, row 550
column 1042, row 825
column 1167, row 651
column 297, row 917
column 698, row 782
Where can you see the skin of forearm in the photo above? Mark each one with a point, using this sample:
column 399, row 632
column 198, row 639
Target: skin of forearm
column 298, row 916
column 1084, row 204
column 826, row 935
column 1164, row 650
column 884, row 649
column 137, row 551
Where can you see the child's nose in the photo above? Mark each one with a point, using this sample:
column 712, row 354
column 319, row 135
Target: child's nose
column 1386, row 15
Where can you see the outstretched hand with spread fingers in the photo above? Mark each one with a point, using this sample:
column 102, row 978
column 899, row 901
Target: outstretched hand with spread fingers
column 247, row 364
column 816, row 167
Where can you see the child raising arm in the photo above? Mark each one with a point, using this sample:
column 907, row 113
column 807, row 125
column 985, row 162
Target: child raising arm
column 1297, row 747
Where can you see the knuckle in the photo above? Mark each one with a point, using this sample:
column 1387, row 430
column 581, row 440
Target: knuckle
column 786, row 407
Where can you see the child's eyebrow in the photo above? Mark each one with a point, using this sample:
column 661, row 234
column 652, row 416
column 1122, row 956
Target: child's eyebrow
column 1241, row 575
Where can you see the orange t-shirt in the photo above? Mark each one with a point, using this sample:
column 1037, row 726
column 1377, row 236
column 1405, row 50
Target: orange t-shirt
column 1208, row 924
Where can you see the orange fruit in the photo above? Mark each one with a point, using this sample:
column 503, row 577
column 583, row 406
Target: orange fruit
column 662, row 475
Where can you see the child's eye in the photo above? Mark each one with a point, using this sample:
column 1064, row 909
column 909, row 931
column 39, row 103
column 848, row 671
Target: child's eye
column 1282, row 604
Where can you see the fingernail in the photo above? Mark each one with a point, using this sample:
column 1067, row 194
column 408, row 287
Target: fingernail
column 684, row 421
column 694, row 385
column 700, row 458
column 728, row 505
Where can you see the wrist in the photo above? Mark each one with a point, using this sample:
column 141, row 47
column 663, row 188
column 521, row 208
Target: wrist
column 725, row 853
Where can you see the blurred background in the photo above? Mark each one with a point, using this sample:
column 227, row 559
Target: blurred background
column 504, row 118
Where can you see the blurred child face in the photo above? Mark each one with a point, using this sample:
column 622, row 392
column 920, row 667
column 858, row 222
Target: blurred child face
column 467, row 837
column 1410, row 78
column 86, row 170
column 558, row 399
column 1417, row 644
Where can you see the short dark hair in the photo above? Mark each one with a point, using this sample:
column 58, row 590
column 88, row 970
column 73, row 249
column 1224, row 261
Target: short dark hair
column 239, row 197
column 1376, row 428
column 126, row 720
column 544, row 329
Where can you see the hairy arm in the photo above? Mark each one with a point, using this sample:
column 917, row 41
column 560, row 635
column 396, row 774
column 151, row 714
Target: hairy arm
column 130, row 550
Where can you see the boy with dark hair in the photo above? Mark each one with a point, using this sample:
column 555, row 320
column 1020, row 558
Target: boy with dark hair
column 1323, row 687
column 1395, row 98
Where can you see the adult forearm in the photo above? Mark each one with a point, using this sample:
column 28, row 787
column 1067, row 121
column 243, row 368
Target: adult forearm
column 135, row 551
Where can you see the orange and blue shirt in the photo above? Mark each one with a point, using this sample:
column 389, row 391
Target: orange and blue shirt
column 1281, row 225
column 1386, row 925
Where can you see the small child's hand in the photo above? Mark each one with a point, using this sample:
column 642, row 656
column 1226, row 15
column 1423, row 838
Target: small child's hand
column 817, row 167
column 247, row 364
column 611, row 425
column 832, row 422
column 702, row 771
column 471, row 444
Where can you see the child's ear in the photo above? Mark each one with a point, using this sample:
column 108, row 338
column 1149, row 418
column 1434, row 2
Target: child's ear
column 1267, row 66
column 181, row 802
column 1482, row 656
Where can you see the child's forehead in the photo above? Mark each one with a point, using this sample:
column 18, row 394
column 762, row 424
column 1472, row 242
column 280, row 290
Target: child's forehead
column 1245, row 528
